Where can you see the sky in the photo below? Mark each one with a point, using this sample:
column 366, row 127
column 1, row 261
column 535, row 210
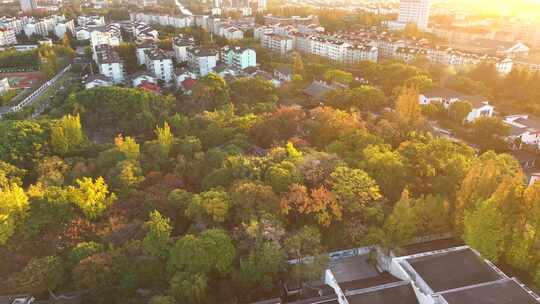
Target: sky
column 521, row 7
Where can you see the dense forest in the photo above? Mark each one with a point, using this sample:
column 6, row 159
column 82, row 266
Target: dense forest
column 128, row 195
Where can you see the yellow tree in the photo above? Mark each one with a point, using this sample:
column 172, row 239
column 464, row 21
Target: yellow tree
column 408, row 108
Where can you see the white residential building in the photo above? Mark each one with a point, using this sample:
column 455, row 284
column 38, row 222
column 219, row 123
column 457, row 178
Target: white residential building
column 109, row 34
column 523, row 130
column 142, row 48
column 7, row 37
column 160, row 64
column 182, row 74
column 4, row 86
column 277, row 43
column 15, row 23
column 202, row 61
column 91, row 20
column 414, row 11
column 109, row 63
column 176, row 21
column 46, row 25
column 232, row 33
column 181, row 44
column 62, row 28
column 139, row 78
column 446, row 97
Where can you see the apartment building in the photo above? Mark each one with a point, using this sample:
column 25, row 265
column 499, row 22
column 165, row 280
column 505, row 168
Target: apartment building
column 160, row 64
column 202, row 61
column 277, row 43
column 239, row 58
column 62, row 28
column 232, row 33
column 141, row 48
column 7, row 37
column 90, row 20
column 14, row 23
column 109, row 63
column 46, row 25
column 109, row 34
column 414, row 11
column 176, row 21
column 181, row 44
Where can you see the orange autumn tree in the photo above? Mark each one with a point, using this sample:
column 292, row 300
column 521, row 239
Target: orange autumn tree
column 319, row 202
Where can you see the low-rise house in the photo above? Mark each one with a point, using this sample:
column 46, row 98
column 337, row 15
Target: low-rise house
column 140, row 77
column 480, row 105
column 187, row 85
column 523, row 130
column 149, row 87
column 283, row 73
column 232, row 33
column 318, row 89
column 97, row 80
column 182, row 74
column 501, row 48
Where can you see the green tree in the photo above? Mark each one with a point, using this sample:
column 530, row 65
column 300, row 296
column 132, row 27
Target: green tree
column 490, row 134
column 93, row 198
column 401, row 226
column 39, row 275
column 158, row 237
column 189, row 288
column 387, row 168
column 262, row 266
column 210, row 207
column 338, row 76
column 83, row 250
column 211, row 92
column 484, row 230
column 357, row 192
column 459, row 110
column 23, row 142
column 160, row 299
column 211, row 251
column 67, row 135
column 304, row 242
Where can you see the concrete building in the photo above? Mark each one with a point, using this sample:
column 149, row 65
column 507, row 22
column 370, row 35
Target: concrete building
column 239, row 58
column 109, row 63
column 62, row 28
column 457, row 275
column 7, row 37
column 415, row 11
column 159, row 64
column 277, row 43
column 141, row 48
column 4, row 86
column 181, row 44
column 90, row 20
column 28, row 5
column 202, row 61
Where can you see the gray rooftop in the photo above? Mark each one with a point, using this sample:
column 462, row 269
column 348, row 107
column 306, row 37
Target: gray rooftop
column 396, row 293
column 453, row 269
column 318, row 89
column 505, row 291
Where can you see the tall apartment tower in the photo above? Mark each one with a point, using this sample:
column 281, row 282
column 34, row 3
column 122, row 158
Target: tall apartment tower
column 415, row 11
column 28, row 5
column 261, row 5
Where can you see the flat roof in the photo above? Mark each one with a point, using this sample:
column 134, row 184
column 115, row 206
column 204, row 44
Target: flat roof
column 400, row 294
column 453, row 269
column 428, row 246
column 506, row 291
column 353, row 268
